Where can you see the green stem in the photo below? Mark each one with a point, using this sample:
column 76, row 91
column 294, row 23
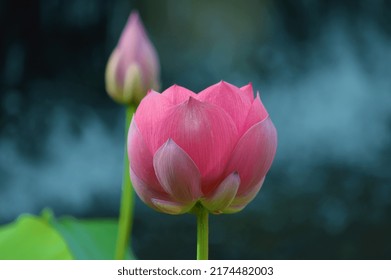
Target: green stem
column 127, row 198
column 202, row 232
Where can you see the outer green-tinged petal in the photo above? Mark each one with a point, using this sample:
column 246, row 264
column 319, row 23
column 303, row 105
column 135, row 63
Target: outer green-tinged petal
column 242, row 200
column 177, row 173
column 223, row 195
column 133, row 88
column 171, row 207
column 112, row 87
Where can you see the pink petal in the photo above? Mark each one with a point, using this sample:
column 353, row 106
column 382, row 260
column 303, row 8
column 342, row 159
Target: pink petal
column 145, row 191
column 148, row 59
column 230, row 98
column 256, row 113
column 247, row 90
column 224, row 194
column 177, row 173
column 129, row 45
column 253, row 155
column 205, row 132
column 149, row 116
column 133, row 29
column 241, row 201
column 170, row 207
column 140, row 158
column 177, row 94
column 135, row 47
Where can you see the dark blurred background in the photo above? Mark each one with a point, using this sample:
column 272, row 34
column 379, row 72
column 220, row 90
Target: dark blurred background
column 322, row 67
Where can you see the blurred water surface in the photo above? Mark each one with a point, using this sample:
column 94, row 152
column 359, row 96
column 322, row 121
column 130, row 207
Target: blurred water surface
column 323, row 71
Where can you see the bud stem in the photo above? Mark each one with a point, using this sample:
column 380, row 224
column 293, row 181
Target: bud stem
column 127, row 198
column 202, row 232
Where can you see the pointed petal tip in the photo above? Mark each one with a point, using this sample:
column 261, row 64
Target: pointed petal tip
column 135, row 18
column 248, row 91
column 220, row 83
column 220, row 87
column 247, row 87
column 192, row 101
column 226, row 84
column 174, row 86
column 177, row 94
column 134, row 13
column 151, row 91
column 257, row 113
column 263, row 111
column 169, row 143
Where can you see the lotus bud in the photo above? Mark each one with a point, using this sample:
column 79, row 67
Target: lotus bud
column 133, row 67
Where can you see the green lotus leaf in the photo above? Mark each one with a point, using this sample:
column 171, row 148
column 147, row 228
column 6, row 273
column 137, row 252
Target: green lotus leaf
column 32, row 238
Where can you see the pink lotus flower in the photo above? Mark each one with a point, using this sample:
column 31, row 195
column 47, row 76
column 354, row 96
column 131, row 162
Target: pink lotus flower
column 213, row 148
column 133, row 67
